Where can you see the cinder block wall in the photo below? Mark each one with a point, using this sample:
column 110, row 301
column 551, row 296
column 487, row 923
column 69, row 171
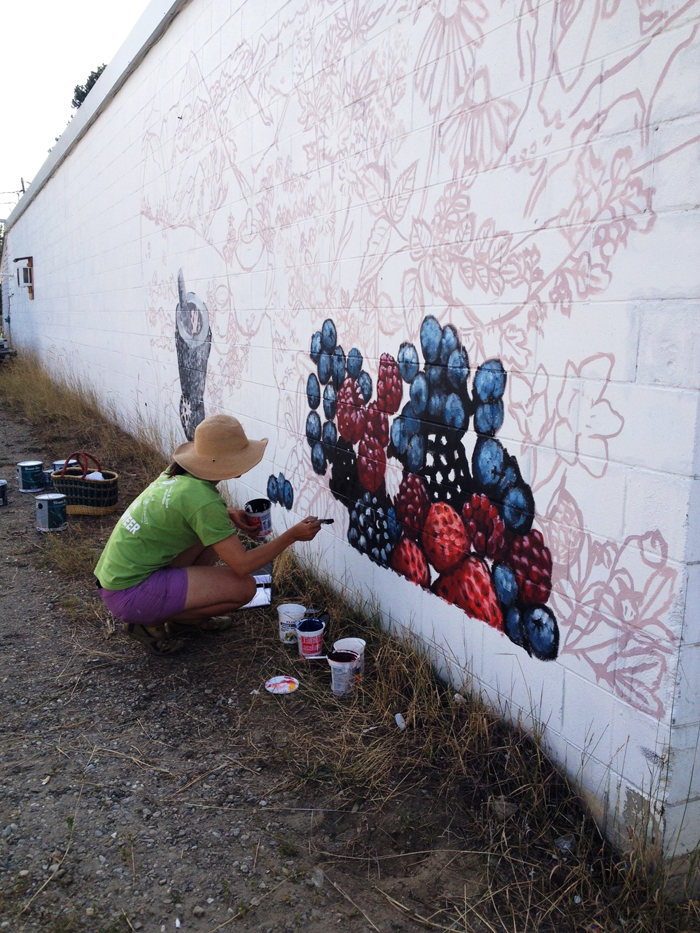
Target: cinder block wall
column 444, row 255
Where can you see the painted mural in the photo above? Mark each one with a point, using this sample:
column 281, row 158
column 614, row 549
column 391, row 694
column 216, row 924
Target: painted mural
column 487, row 167
column 465, row 535
column 193, row 345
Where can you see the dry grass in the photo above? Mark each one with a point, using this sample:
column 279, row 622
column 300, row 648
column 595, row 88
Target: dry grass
column 457, row 769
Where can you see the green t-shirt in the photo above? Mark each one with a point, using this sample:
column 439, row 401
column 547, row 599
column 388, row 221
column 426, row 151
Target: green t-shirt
column 171, row 515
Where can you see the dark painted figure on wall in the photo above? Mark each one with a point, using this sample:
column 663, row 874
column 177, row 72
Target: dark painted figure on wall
column 462, row 530
column 193, row 342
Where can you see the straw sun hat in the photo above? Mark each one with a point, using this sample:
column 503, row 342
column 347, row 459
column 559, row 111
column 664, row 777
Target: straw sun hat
column 220, row 450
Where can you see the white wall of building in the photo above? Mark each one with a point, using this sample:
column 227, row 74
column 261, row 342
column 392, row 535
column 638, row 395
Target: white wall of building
column 526, row 172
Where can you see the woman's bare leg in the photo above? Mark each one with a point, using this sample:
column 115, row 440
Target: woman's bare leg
column 214, row 591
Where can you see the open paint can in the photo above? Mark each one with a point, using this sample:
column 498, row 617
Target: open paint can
column 310, row 637
column 51, row 512
column 260, row 510
column 48, row 480
column 343, row 671
column 288, row 614
column 357, row 645
column 30, row 475
column 3, row 492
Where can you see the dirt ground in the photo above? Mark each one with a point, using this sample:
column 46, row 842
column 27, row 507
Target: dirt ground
column 157, row 794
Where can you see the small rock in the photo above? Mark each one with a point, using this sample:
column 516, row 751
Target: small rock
column 198, row 911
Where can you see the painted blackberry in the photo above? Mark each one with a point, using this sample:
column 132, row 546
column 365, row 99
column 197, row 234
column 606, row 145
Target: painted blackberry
column 368, row 528
column 389, row 386
column 344, row 483
column 486, row 531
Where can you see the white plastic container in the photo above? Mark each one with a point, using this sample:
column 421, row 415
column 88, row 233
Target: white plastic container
column 357, row 645
column 288, row 614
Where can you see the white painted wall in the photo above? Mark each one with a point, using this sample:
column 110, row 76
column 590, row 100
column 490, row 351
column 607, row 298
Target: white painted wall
column 526, row 172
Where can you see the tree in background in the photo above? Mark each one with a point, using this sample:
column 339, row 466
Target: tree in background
column 81, row 91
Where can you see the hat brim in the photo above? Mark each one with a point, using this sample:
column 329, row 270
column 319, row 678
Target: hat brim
column 226, row 467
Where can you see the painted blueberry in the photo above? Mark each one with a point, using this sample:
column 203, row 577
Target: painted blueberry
column 329, row 401
column 449, row 342
column 541, row 631
column 490, row 381
column 313, row 391
column 399, row 435
column 454, row 412
column 318, row 459
column 329, row 434
column 436, row 407
column 411, row 420
column 354, row 363
column 513, row 626
column 338, row 368
column 505, row 584
column 488, row 417
column 316, row 346
column 436, row 376
column 288, row 494
column 487, row 461
column 419, row 394
column 313, row 430
column 364, row 381
column 325, row 367
column 272, row 489
column 329, row 337
column 408, row 362
column 415, row 454
column 394, row 525
column 430, row 337
column 280, row 483
column 509, row 477
column 458, row 369
column 519, row 509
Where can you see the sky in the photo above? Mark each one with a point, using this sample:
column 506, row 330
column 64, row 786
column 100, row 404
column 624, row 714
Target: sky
column 46, row 48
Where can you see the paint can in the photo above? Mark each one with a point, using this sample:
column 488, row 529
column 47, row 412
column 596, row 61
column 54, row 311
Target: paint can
column 357, row 645
column 3, row 492
column 51, row 512
column 288, row 614
column 260, row 510
column 48, row 479
column 343, row 665
column 58, row 464
column 310, row 637
column 30, row 475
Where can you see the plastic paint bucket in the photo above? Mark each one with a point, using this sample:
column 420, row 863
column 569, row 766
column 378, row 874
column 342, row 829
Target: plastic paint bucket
column 343, row 665
column 48, row 479
column 260, row 509
column 30, row 475
column 58, row 464
column 288, row 615
column 51, row 512
column 3, row 492
column 357, row 645
column 310, row 637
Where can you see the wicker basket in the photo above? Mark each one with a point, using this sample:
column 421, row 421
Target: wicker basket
column 86, row 496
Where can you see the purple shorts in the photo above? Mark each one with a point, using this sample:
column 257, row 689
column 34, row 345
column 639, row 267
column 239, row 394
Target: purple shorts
column 159, row 596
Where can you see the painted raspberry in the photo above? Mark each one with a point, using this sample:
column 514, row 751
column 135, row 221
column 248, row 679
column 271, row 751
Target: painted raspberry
column 409, row 560
column 531, row 561
column 470, row 587
column 412, row 504
column 389, row 385
column 444, row 538
column 371, row 463
column 486, row 531
column 377, row 423
column 350, row 409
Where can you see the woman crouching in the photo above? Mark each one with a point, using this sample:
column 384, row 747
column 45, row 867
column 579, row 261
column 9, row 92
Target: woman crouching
column 158, row 565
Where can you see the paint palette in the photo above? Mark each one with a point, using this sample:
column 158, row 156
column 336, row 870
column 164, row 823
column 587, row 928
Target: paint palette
column 282, row 684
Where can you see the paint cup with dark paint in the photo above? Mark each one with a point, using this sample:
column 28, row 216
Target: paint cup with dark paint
column 3, row 492
column 357, row 645
column 343, row 666
column 260, row 510
column 310, row 637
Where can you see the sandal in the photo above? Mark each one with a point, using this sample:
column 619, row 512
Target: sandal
column 213, row 625
column 155, row 638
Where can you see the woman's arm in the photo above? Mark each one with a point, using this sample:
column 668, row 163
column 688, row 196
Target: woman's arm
column 243, row 562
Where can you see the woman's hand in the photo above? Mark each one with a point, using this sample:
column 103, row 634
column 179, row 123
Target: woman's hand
column 307, row 529
column 244, row 521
